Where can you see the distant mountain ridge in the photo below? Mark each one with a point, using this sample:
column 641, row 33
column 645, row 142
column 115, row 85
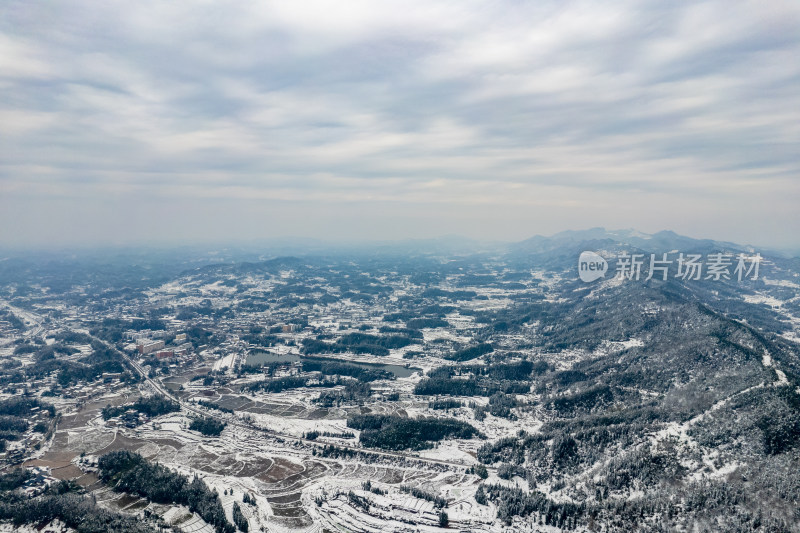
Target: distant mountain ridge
column 663, row 241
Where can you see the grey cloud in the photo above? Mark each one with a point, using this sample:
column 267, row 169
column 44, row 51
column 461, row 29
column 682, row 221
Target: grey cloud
column 643, row 107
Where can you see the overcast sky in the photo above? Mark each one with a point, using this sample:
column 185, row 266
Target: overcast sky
column 162, row 122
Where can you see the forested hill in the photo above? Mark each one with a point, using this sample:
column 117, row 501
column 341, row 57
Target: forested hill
column 660, row 386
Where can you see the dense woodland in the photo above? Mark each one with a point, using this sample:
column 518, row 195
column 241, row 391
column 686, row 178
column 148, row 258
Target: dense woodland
column 130, row 472
column 210, row 427
column 152, row 406
column 358, row 343
column 396, row 433
column 63, row 501
column 601, row 411
column 16, row 414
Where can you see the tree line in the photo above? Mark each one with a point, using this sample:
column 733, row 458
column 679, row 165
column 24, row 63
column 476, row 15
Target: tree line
column 152, row 406
column 392, row 432
column 130, row 472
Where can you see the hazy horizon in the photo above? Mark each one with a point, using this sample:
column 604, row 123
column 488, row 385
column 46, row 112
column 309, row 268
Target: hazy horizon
column 150, row 123
column 290, row 245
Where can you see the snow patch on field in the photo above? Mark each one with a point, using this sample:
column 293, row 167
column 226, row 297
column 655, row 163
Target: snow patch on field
column 224, row 362
column 610, row 347
column 299, row 426
column 441, row 333
column 781, row 283
column 762, row 299
column 449, row 450
column 766, row 360
column 791, row 336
